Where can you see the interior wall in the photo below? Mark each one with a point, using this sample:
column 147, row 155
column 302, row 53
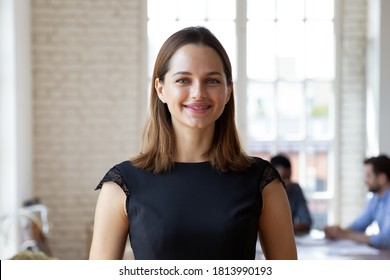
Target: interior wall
column 88, row 89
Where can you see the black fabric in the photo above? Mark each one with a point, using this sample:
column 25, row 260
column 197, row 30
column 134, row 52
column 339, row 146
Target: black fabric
column 193, row 211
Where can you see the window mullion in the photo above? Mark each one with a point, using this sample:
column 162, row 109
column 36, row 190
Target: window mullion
column 242, row 79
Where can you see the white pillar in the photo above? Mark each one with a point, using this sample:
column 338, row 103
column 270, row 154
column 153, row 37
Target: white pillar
column 378, row 81
column 15, row 117
column 384, row 86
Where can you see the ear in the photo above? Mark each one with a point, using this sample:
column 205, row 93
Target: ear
column 159, row 86
column 382, row 179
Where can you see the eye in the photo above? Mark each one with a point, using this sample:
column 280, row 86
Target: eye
column 212, row 81
column 182, row 81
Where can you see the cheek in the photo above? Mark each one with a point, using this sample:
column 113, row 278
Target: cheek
column 218, row 95
column 175, row 95
column 371, row 181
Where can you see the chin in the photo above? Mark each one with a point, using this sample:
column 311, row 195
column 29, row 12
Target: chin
column 200, row 124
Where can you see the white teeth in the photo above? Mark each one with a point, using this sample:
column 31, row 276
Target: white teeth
column 199, row 108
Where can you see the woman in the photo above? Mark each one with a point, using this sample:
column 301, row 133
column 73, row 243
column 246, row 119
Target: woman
column 192, row 193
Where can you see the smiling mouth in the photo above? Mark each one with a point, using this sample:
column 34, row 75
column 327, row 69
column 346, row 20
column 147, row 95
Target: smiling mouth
column 197, row 107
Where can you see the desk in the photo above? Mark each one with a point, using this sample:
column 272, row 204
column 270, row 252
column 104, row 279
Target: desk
column 315, row 246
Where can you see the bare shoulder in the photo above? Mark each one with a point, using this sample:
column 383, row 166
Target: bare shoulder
column 112, row 198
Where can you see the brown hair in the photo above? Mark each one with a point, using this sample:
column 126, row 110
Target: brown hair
column 158, row 149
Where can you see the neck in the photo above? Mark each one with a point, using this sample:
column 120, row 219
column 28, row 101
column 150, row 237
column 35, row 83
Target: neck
column 192, row 145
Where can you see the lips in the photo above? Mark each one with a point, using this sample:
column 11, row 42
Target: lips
column 198, row 107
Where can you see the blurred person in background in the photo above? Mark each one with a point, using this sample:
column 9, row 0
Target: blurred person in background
column 301, row 217
column 377, row 179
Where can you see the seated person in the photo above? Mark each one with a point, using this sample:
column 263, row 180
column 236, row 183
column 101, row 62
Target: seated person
column 300, row 213
column 377, row 179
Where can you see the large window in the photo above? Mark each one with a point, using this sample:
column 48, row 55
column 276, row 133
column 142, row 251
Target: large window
column 287, row 80
column 290, row 90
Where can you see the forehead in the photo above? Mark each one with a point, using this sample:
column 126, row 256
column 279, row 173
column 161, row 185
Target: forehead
column 196, row 56
column 368, row 169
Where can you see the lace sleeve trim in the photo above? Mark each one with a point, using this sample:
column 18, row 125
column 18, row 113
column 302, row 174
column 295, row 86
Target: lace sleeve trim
column 114, row 175
column 270, row 174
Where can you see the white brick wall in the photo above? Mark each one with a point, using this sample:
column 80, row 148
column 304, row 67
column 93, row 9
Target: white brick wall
column 351, row 190
column 86, row 101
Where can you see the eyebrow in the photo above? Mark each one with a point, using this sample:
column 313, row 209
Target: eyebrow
column 189, row 73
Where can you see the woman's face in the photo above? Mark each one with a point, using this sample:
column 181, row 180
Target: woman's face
column 195, row 88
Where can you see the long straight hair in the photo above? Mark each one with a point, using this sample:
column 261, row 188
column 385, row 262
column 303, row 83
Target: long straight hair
column 157, row 154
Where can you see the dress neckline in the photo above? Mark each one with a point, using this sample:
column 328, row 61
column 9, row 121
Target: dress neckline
column 192, row 163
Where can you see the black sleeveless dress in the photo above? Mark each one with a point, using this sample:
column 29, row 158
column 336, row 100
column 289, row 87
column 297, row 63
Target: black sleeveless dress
column 193, row 211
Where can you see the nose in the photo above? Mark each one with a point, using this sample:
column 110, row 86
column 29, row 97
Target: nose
column 198, row 91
